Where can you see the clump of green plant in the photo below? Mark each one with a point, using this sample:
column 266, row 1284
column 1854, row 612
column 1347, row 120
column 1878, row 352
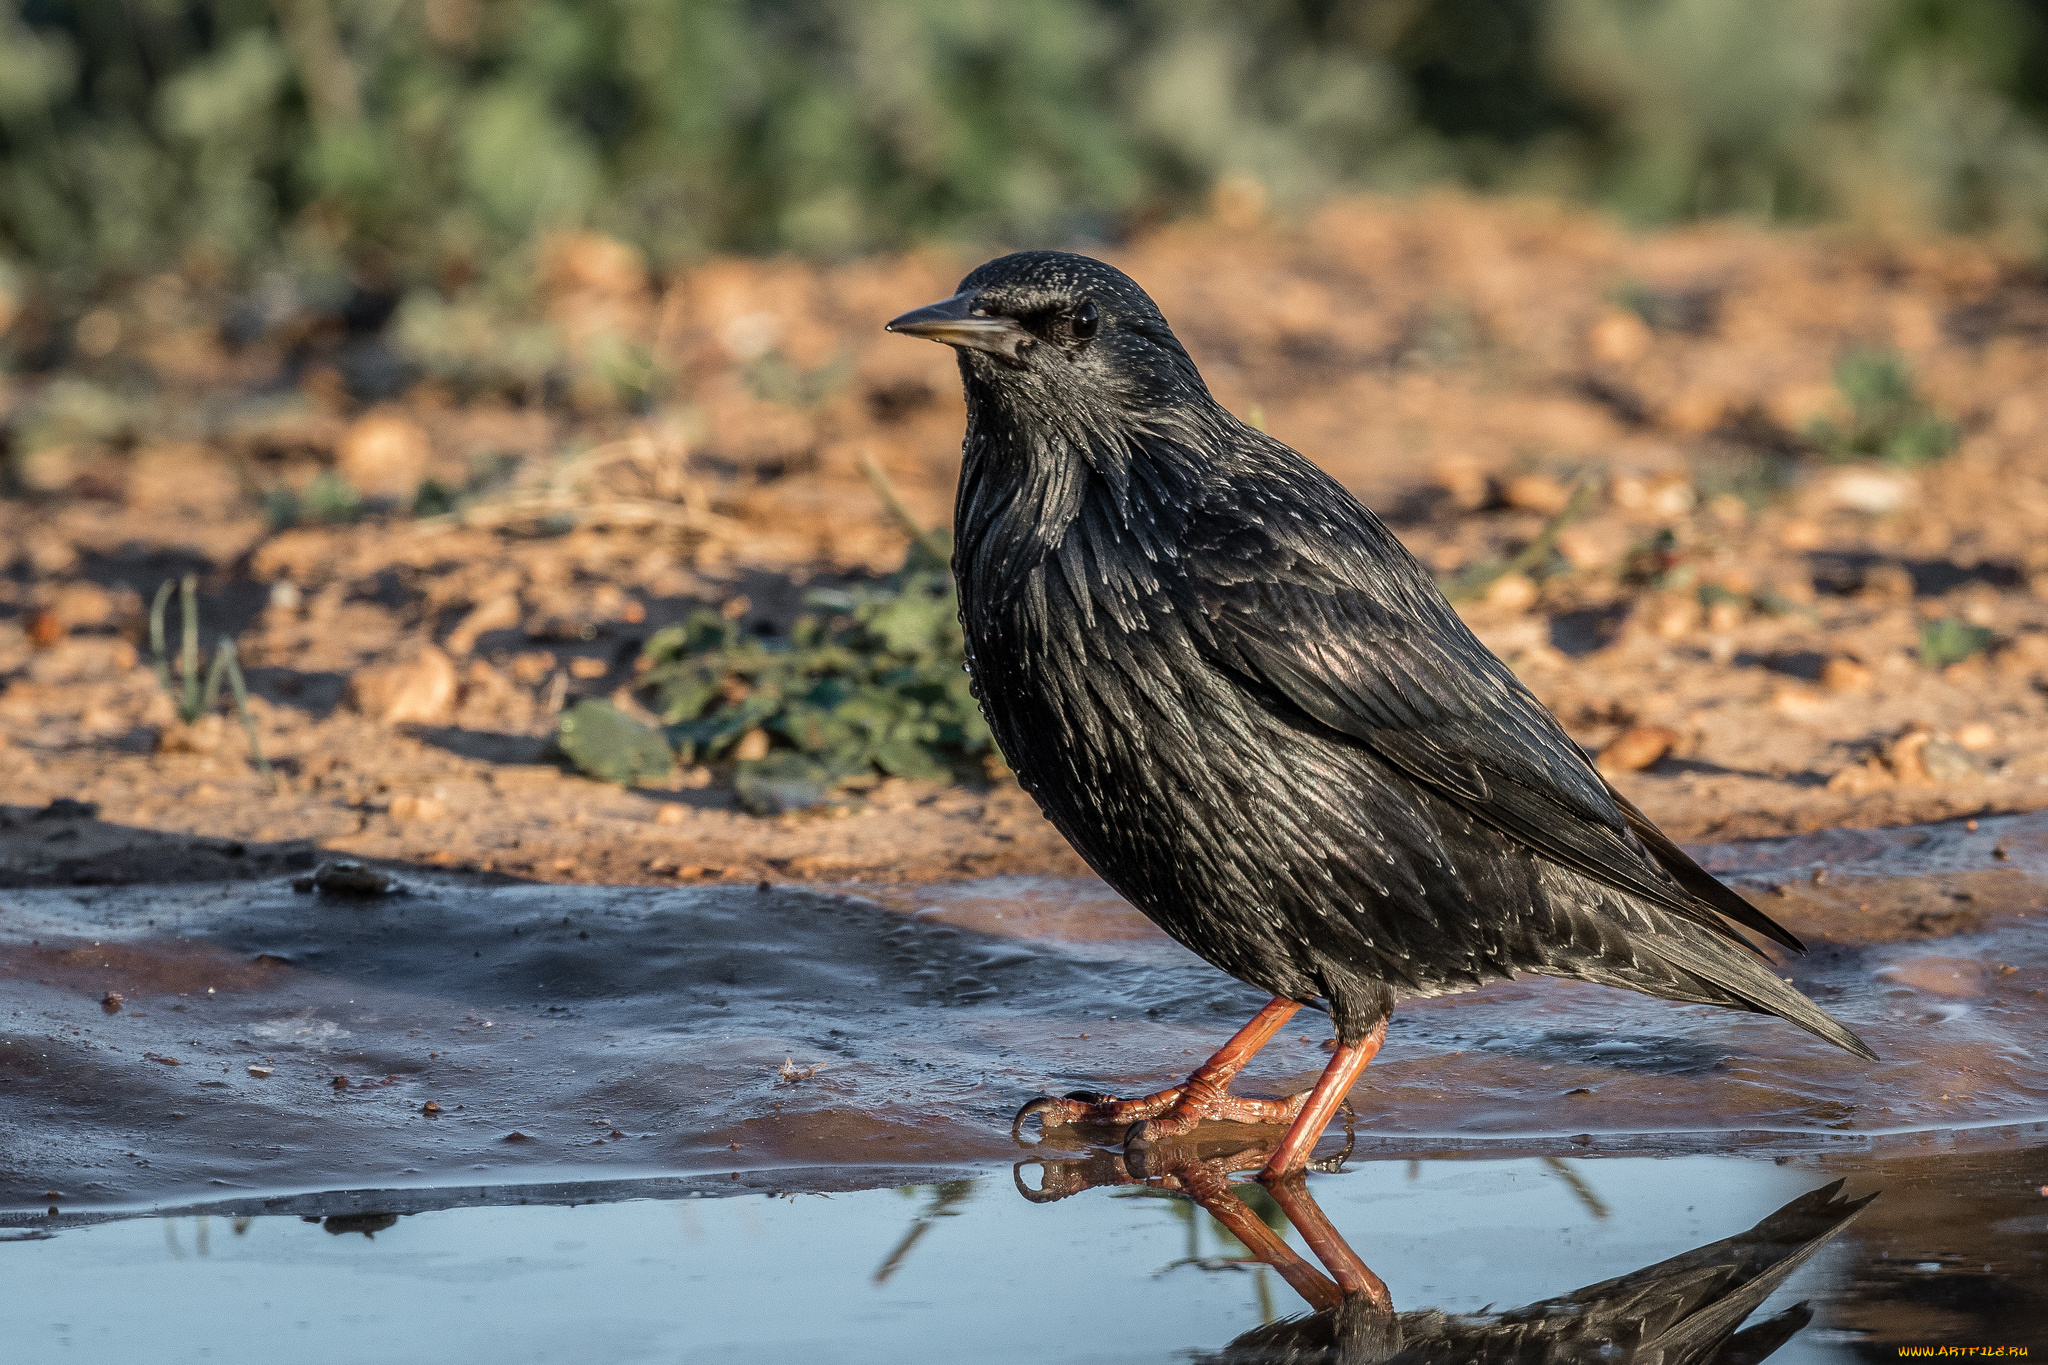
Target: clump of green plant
column 606, row 743
column 329, row 500
column 774, row 378
column 872, row 683
column 489, row 472
column 194, row 699
column 1950, row 641
column 1888, row 420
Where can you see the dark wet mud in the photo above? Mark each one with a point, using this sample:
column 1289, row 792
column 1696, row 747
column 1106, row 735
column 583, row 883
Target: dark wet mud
column 271, row 1040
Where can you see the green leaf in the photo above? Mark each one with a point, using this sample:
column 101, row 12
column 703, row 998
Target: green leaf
column 906, row 758
column 606, row 743
column 873, row 686
column 781, row 783
column 1950, row 641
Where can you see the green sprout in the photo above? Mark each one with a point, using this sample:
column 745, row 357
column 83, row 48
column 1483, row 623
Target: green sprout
column 193, row 698
column 1888, row 420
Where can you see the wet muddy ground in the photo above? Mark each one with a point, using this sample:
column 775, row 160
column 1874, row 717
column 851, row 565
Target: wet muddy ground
column 167, row 1042
column 459, row 1070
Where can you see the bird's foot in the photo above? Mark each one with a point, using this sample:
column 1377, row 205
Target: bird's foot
column 1188, row 1165
column 1060, row 1178
column 1173, row 1112
column 1197, row 1106
column 1092, row 1109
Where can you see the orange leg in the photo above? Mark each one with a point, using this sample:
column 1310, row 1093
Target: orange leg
column 1352, row 1274
column 1177, row 1109
column 1315, row 1115
column 1209, row 1187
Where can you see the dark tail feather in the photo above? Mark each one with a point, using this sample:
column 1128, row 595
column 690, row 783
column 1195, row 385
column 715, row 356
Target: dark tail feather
column 1761, row 1259
column 1759, row 1341
column 1703, row 884
column 1752, row 983
column 1682, row 1311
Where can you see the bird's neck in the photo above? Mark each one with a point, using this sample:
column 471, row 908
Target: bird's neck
column 1028, row 473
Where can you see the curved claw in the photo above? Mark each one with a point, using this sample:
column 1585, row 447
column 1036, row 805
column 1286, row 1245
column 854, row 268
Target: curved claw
column 1330, row 1165
column 1061, row 1178
column 1051, row 1186
column 1333, row 1165
column 1044, row 1104
column 1137, row 1149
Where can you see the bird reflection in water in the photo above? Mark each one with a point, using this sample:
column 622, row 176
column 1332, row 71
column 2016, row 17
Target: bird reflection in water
column 1688, row 1310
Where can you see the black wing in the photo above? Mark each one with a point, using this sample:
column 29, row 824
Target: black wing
column 1318, row 610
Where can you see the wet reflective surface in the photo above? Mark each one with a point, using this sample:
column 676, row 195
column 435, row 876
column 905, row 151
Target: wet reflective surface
column 1954, row 1250
column 599, row 1062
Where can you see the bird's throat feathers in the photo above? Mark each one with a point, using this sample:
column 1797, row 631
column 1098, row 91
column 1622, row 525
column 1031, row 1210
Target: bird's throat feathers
column 1030, row 471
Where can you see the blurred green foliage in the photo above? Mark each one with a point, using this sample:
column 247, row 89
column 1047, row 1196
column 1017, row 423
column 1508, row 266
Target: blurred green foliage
column 1949, row 640
column 1888, row 420
column 423, row 138
column 872, row 684
column 609, row 745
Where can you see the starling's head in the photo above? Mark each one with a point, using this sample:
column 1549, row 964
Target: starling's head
column 1060, row 334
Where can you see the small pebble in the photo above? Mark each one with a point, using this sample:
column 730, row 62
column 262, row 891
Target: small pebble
column 347, row 877
column 1840, row 675
column 1637, row 748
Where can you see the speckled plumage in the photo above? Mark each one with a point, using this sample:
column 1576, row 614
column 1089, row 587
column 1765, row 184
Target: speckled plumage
column 1253, row 713
column 1683, row 1311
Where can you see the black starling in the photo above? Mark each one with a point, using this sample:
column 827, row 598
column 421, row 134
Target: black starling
column 1251, row 710
column 1681, row 1311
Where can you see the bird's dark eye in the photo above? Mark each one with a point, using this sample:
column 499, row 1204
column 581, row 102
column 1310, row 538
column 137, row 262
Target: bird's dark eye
column 1086, row 320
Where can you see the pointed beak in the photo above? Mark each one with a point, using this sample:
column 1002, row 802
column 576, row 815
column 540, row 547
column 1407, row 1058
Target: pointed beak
column 956, row 322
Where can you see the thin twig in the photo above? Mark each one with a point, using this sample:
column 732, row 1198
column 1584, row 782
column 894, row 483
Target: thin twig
column 1477, row 580
column 671, row 498
column 912, row 527
column 188, row 648
column 158, row 659
column 225, row 656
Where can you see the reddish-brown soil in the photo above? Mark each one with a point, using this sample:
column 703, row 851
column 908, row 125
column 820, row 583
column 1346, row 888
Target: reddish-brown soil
column 1459, row 364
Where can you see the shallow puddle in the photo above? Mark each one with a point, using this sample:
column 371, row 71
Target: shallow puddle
column 1953, row 1251
column 524, row 1095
